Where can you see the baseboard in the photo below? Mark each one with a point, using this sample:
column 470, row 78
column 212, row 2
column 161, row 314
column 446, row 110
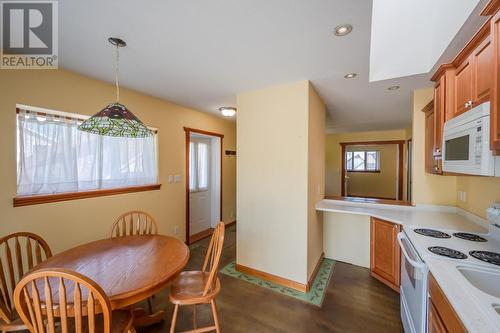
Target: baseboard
column 315, row 272
column 229, row 224
column 272, row 278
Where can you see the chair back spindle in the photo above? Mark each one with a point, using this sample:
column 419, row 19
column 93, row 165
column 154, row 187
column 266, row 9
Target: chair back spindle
column 19, row 253
column 51, row 298
column 135, row 222
column 212, row 258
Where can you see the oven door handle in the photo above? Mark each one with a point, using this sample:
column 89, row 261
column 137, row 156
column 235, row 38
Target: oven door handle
column 414, row 263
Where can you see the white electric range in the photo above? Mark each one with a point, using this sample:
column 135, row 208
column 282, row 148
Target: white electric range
column 419, row 244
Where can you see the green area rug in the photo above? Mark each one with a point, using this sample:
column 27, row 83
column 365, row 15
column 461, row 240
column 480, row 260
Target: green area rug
column 314, row 296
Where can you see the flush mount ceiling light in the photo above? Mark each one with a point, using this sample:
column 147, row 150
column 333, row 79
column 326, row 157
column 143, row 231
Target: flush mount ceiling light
column 393, row 88
column 115, row 119
column 350, row 76
column 227, row 111
column 343, row 29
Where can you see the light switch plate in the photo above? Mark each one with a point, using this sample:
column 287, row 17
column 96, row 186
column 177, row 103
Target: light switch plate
column 177, row 178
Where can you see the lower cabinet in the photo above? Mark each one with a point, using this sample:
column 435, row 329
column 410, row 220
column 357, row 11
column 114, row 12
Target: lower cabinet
column 441, row 317
column 385, row 255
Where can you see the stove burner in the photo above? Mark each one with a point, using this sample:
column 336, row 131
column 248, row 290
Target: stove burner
column 432, row 233
column 469, row 237
column 489, row 257
column 447, row 252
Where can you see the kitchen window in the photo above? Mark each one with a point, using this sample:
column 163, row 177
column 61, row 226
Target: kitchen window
column 54, row 157
column 362, row 161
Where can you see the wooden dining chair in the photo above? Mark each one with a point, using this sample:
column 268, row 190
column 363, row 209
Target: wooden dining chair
column 135, row 222
column 61, row 300
column 19, row 252
column 132, row 223
column 200, row 287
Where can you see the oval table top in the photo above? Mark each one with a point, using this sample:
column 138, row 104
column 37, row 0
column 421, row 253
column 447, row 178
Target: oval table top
column 128, row 269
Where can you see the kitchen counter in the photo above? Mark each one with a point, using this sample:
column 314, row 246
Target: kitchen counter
column 443, row 217
column 471, row 305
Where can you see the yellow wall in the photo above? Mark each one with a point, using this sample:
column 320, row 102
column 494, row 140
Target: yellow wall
column 376, row 184
column 480, row 193
column 427, row 188
column 316, row 174
column 278, row 178
column 333, row 153
column 69, row 223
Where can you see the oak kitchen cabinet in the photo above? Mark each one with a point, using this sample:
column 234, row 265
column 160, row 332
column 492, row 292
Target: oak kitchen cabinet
column 473, row 78
column 385, row 254
column 432, row 155
column 495, row 102
column 442, row 318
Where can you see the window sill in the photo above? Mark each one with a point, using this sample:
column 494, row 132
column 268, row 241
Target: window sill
column 364, row 171
column 47, row 198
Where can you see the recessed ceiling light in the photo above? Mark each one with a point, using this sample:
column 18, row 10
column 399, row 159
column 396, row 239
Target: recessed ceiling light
column 227, row 111
column 343, row 29
column 393, row 88
column 350, row 76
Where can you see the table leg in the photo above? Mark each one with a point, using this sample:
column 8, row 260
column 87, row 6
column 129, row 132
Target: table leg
column 142, row 318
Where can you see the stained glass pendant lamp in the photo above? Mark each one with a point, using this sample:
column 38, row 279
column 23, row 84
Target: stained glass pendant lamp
column 115, row 119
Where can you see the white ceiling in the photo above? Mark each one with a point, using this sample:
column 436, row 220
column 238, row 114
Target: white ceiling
column 202, row 53
column 408, row 40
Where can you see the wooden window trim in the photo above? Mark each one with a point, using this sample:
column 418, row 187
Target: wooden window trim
column 29, row 200
column 400, row 144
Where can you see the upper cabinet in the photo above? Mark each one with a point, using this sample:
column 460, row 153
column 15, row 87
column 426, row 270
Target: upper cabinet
column 471, row 79
column 482, row 72
column 495, row 91
column 463, row 87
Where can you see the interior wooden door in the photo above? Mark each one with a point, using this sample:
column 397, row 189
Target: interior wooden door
column 482, row 72
column 385, row 257
column 495, row 103
column 463, row 86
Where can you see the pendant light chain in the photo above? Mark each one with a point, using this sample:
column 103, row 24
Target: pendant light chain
column 116, row 74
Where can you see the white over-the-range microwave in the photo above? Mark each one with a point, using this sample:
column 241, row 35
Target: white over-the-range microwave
column 466, row 144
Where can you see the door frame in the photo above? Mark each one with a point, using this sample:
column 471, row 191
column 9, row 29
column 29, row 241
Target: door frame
column 400, row 144
column 188, row 131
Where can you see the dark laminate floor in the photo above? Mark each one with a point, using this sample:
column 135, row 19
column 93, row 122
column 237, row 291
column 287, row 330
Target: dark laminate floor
column 354, row 302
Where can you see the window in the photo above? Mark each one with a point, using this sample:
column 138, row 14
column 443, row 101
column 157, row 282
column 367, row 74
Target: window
column 362, row 161
column 53, row 156
column 199, row 165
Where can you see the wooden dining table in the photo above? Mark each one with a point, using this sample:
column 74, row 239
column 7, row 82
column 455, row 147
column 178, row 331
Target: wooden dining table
column 129, row 269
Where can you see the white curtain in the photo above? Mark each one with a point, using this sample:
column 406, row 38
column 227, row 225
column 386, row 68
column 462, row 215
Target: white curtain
column 199, row 164
column 53, row 156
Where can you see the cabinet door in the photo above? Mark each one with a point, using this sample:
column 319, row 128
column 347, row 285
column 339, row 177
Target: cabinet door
column 495, row 103
column 482, row 68
column 439, row 112
column 463, row 87
column 435, row 323
column 429, row 141
column 385, row 253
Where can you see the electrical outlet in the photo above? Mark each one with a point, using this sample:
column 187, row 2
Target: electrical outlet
column 176, row 230
column 462, row 196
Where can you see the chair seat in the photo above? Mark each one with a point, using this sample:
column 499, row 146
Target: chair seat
column 15, row 325
column 188, row 287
